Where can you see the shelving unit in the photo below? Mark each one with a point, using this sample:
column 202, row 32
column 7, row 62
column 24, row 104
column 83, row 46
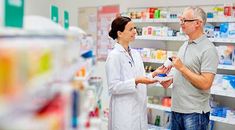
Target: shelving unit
column 182, row 38
column 222, row 40
column 214, row 91
column 149, row 40
column 163, row 20
column 219, row 91
column 220, row 20
column 223, row 120
column 153, row 127
column 226, row 67
column 158, row 107
column 214, row 118
column 47, row 66
column 175, row 20
column 161, row 38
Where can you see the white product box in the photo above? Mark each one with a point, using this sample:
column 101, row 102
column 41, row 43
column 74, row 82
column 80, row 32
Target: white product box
column 231, row 30
column 1, row 12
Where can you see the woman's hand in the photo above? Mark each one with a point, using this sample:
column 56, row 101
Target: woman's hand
column 161, row 70
column 144, row 80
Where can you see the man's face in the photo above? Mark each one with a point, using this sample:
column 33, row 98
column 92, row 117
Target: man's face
column 188, row 22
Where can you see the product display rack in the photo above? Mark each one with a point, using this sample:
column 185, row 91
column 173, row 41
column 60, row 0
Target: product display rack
column 175, row 20
column 158, row 107
column 153, row 127
column 180, row 40
column 168, row 109
column 48, row 65
column 221, row 92
column 223, row 120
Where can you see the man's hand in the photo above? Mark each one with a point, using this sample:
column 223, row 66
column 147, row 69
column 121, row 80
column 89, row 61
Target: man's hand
column 167, row 83
column 177, row 63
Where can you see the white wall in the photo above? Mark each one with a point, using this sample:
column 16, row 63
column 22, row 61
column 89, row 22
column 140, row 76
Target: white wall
column 38, row 7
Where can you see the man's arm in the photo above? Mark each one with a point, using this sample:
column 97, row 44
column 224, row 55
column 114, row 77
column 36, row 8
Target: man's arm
column 201, row 81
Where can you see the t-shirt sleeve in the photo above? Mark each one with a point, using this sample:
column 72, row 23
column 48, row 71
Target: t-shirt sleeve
column 210, row 61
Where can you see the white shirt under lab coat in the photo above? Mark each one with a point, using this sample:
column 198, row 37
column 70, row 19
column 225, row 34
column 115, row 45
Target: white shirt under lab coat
column 128, row 103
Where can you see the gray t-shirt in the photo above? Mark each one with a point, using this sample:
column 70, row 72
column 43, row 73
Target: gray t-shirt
column 198, row 56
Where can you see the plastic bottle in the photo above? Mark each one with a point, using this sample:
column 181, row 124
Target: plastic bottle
column 168, row 62
column 157, row 121
column 228, row 9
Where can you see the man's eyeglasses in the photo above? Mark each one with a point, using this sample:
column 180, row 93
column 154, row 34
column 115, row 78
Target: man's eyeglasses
column 182, row 21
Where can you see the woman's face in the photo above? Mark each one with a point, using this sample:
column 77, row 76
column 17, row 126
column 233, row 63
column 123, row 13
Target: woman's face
column 128, row 35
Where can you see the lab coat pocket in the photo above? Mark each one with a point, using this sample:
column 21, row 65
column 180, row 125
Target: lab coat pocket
column 123, row 112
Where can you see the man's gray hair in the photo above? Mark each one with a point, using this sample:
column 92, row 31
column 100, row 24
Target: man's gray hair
column 198, row 13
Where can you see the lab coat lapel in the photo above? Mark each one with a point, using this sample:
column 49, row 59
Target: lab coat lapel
column 121, row 49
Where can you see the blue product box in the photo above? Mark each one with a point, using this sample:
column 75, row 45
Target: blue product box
column 210, row 15
column 225, row 54
column 224, row 30
column 209, row 30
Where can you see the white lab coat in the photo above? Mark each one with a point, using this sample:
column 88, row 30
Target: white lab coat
column 128, row 103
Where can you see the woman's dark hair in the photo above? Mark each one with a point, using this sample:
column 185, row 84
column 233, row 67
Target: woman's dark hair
column 118, row 24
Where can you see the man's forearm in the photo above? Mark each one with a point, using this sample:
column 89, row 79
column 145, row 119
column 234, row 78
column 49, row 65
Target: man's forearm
column 202, row 82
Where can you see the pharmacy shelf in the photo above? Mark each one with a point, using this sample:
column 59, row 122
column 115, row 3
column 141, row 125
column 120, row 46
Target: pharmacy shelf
column 183, row 38
column 223, row 120
column 214, row 90
column 161, row 20
column 158, row 107
column 162, row 38
column 222, row 40
column 166, row 20
column 143, row 20
column 69, row 72
column 43, row 86
column 226, row 67
column 153, row 127
column 227, row 93
column 180, row 40
column 152, row 61
column 172, row 20
column 219, row 20
column 214, row 118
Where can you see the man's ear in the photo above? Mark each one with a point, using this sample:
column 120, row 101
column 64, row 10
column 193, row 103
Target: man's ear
column 199, row 23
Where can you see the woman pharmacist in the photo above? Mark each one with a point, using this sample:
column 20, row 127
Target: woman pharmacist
column 127, row 79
